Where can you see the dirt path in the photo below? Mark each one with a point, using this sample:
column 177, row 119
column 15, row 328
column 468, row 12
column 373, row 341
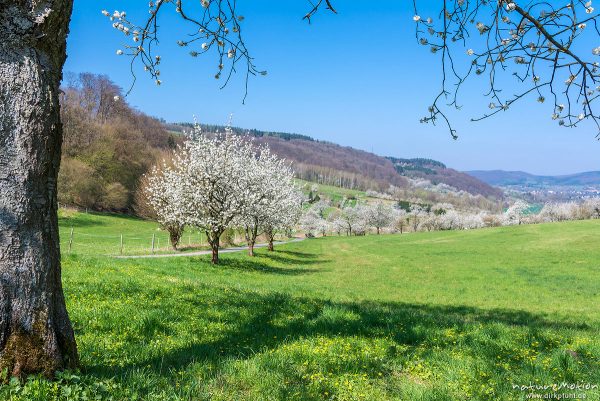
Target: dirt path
column 199, row 253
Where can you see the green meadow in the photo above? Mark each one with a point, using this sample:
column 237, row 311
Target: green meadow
column 427, row 316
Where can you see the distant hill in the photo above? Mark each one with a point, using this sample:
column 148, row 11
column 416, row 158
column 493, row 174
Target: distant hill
column 520, row 178
column 346, row 167
column 438, row 173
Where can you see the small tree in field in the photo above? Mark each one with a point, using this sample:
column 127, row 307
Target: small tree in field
column 311, row 223
column 400, row 220
column 415, row 216
column 210, row 181
column 271, row 194
column 379, row 215
column 515, row 213
column 353, row 217
column 284, row 210
column 163, row 201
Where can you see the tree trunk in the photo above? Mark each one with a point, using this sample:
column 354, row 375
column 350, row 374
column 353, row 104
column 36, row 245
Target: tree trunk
column 175, row 232
column 35, row 332
column 270, row 233
column 213, row 240
column 251, row 232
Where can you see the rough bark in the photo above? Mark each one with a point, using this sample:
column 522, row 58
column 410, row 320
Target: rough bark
column 35, row 332
column 175, row 233
column 270, row 233
column 214, row 241
column 251, row 233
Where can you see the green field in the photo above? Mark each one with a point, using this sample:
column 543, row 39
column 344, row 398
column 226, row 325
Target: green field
column 100, row 234
column 425, row 316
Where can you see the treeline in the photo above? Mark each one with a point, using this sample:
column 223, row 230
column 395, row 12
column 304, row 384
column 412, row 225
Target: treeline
column 180, row 127
column 423, row 165
column 107, row 145
column 438, row 173
column 328, row 176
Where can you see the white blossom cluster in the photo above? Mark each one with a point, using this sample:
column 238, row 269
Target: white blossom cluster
column 383, row 217
column 224, row 182
column 274, row 202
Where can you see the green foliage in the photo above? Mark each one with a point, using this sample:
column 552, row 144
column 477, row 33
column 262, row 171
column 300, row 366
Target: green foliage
column 100, row 234
column 426, row 166
column 426, row 316
column 107, row 146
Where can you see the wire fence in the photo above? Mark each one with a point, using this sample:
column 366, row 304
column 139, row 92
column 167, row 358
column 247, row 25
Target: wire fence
column 76, row 241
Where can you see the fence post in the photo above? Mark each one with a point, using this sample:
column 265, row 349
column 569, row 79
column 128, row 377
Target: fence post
column 71, row 240
column 153, row 242
column 121, row 250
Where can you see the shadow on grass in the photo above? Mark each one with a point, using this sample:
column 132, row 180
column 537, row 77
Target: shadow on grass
column 295, row 253
column 298, row 259
column 79, row 222
column 256, row 265
column 255, row 323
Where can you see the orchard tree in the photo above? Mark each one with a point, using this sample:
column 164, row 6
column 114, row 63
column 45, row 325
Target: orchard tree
column 415, row 216
column 210, row 181
column 540, row 43
column 271, row 193
column 400, row 219
column 593, row 207
column 162, row 197
column 312, row 223
column 379, row 215
column 353, row 217
column 285, row 210
column 515, row 213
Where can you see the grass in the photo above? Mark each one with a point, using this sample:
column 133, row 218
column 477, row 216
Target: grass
column 100, row 234
column 426, row 316
column 335, row 194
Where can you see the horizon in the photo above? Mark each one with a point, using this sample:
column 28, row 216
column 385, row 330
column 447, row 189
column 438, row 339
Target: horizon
column 353, row 90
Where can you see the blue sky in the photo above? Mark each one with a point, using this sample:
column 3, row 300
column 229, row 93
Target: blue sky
column 357, row 78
